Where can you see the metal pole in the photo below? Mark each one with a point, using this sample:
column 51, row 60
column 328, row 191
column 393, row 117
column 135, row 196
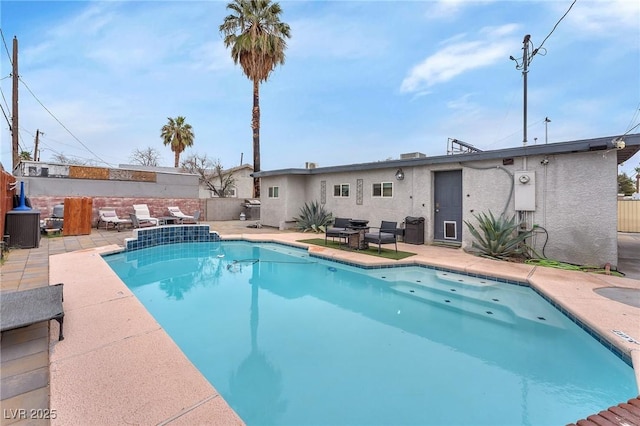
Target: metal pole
column 14, row 118
column 546, row 133
column 525, row 70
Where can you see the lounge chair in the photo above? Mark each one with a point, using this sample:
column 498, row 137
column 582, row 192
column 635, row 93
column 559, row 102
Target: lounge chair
column 387, row 234
column 340, row 225
column 137, row 223
column 25, row 307
column 109, row 216
column 142, row 213
column 176, row 212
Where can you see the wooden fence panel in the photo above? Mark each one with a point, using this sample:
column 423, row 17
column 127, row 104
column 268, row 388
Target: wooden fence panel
column 6, row 197
column 77, row 216
column 628, row 215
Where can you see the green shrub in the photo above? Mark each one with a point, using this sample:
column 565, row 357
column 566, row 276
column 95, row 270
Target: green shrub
column 498, row 237
column 313, row 218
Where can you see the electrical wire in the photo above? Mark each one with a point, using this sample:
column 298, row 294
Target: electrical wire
column 535, row 51
column 6, row 117
column 63, row 126
column 6, row 48
column 546, row 240
column 633, row 119
column 504, row 170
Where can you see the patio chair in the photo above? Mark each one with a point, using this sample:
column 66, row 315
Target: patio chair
column 387, row 234
column 340, row 224
column 137, row 223
column 142, row 213
column 25, row 307
column 176, row 212
column 109, row 216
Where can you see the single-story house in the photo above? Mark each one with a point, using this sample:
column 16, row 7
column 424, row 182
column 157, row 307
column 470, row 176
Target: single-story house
column 566, row 192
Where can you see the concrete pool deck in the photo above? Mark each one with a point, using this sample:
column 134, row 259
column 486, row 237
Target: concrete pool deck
column 123, row 368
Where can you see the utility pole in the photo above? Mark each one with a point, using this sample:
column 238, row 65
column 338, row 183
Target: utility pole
column 35, row 149
column 525, row 71
column 14, row 114
column 546, row 133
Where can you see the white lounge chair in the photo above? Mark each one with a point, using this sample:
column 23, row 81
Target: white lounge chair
column 142, row 214
column 176, row 212
column 139, row 224
column 109, row 216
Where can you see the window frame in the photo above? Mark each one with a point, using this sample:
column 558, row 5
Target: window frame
column 274, row 192
column 341, row 187
column 382, row 189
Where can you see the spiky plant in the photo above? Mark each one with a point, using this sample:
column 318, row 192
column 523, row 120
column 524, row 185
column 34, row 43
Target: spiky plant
column 313, row 218
column 498, row 237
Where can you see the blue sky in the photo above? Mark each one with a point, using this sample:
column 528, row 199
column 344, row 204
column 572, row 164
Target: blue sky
column 363, row 80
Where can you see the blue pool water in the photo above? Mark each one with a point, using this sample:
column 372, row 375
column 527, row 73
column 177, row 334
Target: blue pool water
column 289, row 339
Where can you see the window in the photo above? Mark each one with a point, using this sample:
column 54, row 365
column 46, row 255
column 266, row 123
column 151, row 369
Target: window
column 384, row 189
column 341, row 190
column 229, row 192
column 273, row 191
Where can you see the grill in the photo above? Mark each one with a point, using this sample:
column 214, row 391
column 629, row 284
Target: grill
column 251, row 207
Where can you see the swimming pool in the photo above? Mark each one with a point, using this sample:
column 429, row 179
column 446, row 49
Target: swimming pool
column 291, row 339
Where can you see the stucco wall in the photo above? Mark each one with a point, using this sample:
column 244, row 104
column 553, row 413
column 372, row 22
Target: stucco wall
column 223, row 208
column 575, row 200
column 166, row 186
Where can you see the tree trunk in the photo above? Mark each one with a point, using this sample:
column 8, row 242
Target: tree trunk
column 255, row 126
column 177, row 158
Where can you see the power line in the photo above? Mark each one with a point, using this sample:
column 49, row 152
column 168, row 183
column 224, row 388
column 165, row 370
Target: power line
column 633, row 119
column 5, row 116
column 6, row 48
column 553, row 29
column 63, row 126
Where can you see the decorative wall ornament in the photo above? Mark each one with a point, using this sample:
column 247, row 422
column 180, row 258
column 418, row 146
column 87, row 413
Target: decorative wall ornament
column 323, row 192
column 359, row 191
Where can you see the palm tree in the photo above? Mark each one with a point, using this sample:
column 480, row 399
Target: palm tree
column 256, row 36
column 179, row 135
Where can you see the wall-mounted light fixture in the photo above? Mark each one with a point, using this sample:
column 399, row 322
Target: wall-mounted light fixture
column 399, row 174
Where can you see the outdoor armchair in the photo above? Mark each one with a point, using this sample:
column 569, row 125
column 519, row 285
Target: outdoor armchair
column 340, row 224
column 386, row 234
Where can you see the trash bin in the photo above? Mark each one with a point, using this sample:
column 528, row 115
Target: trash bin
column 414, row 230
column 23, row 228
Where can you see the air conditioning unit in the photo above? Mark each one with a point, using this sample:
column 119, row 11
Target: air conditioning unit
column 412, row 155
column 309, row 165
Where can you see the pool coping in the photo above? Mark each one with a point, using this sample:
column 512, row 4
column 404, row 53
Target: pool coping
column 116, row 344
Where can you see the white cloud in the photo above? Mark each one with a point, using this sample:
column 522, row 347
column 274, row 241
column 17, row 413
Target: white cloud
column 449, row 9
column 493, row 44
column 605, row 18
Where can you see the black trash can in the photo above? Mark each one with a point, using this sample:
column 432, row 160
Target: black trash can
column 23, row 228
column 414, row 230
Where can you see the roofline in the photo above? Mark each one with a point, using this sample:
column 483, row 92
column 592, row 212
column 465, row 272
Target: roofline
column 632, row 146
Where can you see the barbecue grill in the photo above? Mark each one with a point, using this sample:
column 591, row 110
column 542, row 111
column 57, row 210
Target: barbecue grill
column 251, row 208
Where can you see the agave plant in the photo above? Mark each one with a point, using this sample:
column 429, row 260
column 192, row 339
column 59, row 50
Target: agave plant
column 498, row 237
column 313, row 218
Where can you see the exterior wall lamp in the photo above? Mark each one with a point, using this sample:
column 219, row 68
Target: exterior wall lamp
column 400, row 174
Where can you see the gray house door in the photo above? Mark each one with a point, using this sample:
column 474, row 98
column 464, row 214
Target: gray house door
column 448, row 206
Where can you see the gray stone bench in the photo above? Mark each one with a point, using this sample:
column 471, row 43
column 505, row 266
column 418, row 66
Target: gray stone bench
column 26, row 307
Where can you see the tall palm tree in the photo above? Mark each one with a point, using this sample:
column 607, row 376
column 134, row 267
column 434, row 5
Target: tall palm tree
column 256, row 36
column 177, row 134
